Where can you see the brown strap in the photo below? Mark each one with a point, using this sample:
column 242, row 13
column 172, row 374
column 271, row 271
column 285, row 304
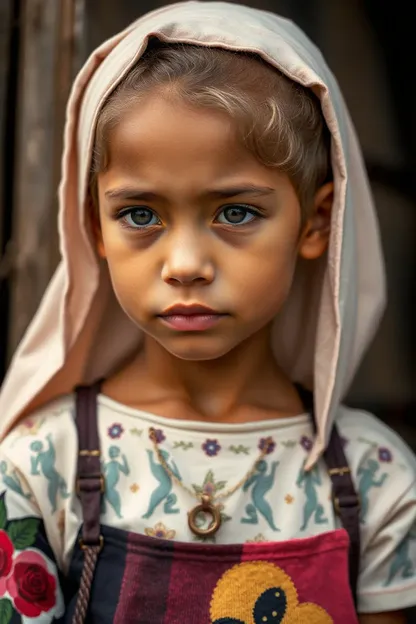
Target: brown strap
column 346, row 502
column 344, row 496
column 90, row 487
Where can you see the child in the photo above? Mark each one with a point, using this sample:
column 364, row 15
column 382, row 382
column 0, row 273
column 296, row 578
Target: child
column 220, row 256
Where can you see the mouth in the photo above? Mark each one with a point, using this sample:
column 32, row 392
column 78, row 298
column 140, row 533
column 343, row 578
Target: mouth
column 193, row 317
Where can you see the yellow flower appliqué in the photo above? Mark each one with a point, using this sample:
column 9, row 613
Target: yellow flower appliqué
column 255, row 592
column 160, row 531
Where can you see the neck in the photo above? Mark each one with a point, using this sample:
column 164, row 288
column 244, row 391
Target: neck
column 248, row 376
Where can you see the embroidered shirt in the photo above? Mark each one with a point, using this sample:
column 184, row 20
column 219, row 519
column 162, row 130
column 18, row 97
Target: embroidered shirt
column 40, row 514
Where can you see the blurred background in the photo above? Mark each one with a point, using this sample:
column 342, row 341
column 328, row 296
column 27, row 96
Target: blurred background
column 369, row 46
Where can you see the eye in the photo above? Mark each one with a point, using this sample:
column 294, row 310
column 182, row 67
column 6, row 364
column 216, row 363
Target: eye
column 138, row 217
column 237, row 214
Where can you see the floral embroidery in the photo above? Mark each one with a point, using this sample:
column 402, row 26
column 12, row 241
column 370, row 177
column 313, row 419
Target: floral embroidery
column 30, row 426
column 306, row 443
column 6, row 559
column 134, row 488
column 31, row 586
column 384, row 455
column 209, row 486
column 28, row 582
column 136, row 431
column 289, row 499
column 160, row 531
column 267, row 441
column 256, row 539
column 183, row 445
column 289, row 443
column 239, row 449
column 115, row 431
column 211, row 447
column 160, row 436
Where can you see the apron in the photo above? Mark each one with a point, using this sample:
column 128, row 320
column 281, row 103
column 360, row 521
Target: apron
column 130, row 578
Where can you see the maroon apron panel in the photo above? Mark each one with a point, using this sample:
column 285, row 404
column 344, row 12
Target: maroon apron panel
column 145, row 585
column 291, row 582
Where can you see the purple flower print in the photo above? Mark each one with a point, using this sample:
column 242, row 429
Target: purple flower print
column 211, row 447
column 306, row 443
column 384, row 455
column 263, row 442
column 115, row 431
column 160, row 436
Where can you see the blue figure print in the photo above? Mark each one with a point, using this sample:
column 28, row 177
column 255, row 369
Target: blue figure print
column 402, row 561
column 163, row 490
column 12, row 481
column 111, row 470
column 313, row 508
column 262, row 483
column 367, row 481
column 45, row 459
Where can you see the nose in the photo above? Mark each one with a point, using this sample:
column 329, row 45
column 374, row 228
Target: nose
column 187, row 261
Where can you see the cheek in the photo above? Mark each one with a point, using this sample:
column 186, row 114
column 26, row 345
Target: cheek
column 264, row 278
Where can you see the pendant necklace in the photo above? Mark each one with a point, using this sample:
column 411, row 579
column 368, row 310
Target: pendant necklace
column 207, row 502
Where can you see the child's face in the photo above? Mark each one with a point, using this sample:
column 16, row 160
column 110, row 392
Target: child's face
column 188, row 216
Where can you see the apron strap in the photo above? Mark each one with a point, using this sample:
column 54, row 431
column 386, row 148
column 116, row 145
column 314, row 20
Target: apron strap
column 89, row 488
column 344, row 495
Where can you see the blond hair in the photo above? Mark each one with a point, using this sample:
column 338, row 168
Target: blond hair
column 278, row 120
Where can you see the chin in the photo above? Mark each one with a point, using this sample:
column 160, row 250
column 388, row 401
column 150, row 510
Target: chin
column 198, row 350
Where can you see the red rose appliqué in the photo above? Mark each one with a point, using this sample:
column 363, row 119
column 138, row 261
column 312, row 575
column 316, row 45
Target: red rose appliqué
column 6, row 559
column 31, row 586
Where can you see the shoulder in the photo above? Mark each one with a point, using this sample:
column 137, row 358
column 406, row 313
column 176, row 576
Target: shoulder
column 53, row 421
column 365, row 437
column 384, row 469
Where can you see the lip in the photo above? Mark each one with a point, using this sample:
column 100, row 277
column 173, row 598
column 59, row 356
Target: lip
column 191, row 318
column 193, row 309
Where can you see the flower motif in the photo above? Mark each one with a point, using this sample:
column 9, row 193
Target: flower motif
column 159, row 435
column 306, row 443
column 268, row 443
column 211, row 447
column 6, row 560
column 115, row 431
column 160, row 531
column 384, row 455
column 134, row 488
column 258, row 538
column 31, row 586
column 210, row 486
column 289, row 499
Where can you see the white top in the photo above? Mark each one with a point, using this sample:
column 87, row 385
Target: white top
column 38, row 463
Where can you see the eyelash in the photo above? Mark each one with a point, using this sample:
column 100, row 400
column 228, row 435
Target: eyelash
column 125, row 212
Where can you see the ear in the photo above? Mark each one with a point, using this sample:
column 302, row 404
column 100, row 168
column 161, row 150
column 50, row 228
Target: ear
column 315, row 236
column 96, row 229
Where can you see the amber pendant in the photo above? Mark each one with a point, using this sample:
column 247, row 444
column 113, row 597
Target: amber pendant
column 207, row 506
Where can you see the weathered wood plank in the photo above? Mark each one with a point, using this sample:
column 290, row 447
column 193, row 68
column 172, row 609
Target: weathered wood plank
column 48, row 54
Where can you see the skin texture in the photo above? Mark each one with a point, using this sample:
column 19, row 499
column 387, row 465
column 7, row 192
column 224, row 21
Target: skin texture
column 191, row 253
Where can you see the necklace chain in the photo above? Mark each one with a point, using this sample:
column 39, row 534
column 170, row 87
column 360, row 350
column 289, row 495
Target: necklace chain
column 268, row 444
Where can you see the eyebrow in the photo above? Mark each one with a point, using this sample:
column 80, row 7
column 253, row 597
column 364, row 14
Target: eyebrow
column 135, row 194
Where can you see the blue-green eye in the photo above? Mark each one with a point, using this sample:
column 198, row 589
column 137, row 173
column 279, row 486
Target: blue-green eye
column 237, row 215
column 139, row 217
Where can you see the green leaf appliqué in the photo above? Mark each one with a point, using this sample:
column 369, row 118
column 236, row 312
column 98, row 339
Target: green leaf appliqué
column 6, row 611
column 3, row 512
column 23, row 532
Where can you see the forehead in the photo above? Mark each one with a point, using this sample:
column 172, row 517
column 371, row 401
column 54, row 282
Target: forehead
column 160, row 137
